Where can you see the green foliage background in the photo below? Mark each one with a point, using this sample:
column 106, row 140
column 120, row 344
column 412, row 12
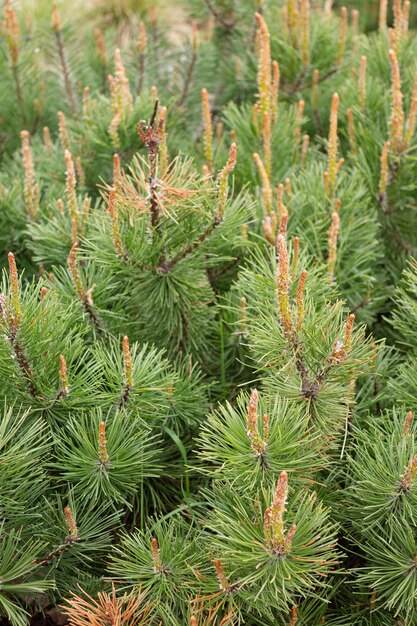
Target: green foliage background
column 208, row 313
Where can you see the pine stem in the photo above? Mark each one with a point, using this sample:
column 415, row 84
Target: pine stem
column 65, row 71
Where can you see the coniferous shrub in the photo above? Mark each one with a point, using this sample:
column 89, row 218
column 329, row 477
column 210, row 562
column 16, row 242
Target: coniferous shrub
column 208, row 313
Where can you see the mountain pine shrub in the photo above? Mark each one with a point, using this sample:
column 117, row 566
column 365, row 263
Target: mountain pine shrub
column 208, row 313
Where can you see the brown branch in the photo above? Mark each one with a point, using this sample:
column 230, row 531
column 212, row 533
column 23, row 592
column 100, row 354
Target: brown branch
column 22, row 362
column 68, row 542
column 187, row 82
column 124, row 396
column 95, row 319
column 65, row 71
column 151, row 138
column 166, row 265
column 297, row 86
column 226, row 24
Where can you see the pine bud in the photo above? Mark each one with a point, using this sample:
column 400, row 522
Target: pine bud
column 63, row 133
column 267, row 525
column 296, row 252
column 154, row 93
column 283, row 285
column 397, row 112
column 294, row 617
column 305, row 32
column 156, row 557
column 279, row 542
column 362, row 83
column 355, row 27
column 70, row 185
column 339, row 353
column 142, row 41
column 114, row 129
column 47, row 140
column 258, row 446
column 410, row 473
column 222, row 181
column 114, row 218
column 74, row 272
column 80, row 171
column 333, row 141
column 14, row 292
column 117, row 172
column 221, row 576
column 292, row 20
column 288, row 188
column 208, row 130
column 384, row 175
column 100, row 47
column 283, row 224
column 328, row 5
column 127, row 363
column 275, row 90
column 333, row 236
column 63, row 376
column 372, row 601
column 258, row 42
column 398, row 23
column 71, row 525
column 383, row 10
column 267, row 227
column 300, row 299
column 278, row 505
column 163, row 150
column 406, row 17
column 102, row 445
column 265, row 425
column 56, row 20
column 348, row 332
column 407, row 423
column 289, row 538
column 122, row 89
column 264, row 67
column 219, row 131
column 12, row 30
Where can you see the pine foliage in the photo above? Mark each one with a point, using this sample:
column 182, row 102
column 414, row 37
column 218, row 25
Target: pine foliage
column 208, row 313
